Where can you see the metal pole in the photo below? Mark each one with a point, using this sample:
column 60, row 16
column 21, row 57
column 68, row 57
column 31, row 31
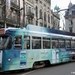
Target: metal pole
column 5, row 14
column 23, row 13
column 19, row 14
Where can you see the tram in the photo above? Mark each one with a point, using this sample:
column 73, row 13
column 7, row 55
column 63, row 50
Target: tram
column 34, row 46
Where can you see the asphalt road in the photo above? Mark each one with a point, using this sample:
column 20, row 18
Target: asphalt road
column 61, row 69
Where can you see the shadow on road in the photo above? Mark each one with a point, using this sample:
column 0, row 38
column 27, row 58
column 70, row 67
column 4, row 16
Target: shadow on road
column 20, row 72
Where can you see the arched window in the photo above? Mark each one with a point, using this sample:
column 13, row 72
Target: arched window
column 40, row 13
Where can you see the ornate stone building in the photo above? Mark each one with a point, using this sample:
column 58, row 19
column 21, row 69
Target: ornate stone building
column 38, row 12
column 70, row 18
column 9, row 13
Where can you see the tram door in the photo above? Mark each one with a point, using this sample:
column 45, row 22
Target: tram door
column 55, row 51
column 53, row 56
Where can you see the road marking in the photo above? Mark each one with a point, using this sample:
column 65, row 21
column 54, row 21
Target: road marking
column 27, row 73
column 73, row 73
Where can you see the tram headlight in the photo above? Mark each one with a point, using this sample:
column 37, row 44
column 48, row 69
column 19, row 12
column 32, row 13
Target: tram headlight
column 9, row 60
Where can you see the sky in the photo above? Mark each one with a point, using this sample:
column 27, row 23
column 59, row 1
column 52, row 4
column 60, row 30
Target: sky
column 63, row 4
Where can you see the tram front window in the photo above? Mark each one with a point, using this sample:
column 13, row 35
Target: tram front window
column 5, row 42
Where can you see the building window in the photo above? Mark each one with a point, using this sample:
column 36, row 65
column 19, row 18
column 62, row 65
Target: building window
column 36, row 0
column 26, row 8
column 36, row 22
column 0, row 12
column 40, row 2
column 45, row 5
column 51, row 19
column 29, row 9
column 48, row 18
column 70, row 29
column 40, row 13
column 36, row 11
column 45, row 25
column 44, row 16
column 48, row 8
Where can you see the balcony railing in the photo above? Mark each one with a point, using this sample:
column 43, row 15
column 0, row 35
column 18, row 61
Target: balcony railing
column 11, row 21
column 30, row 14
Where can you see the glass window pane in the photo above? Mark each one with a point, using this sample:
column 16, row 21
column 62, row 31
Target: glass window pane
column 46, row 43
column 73, row 44
column 54, row 43
column 68, row 44
column 26, row 42
column 5, row 42
column 61, row 43
column 18, row 42
column 36, row 42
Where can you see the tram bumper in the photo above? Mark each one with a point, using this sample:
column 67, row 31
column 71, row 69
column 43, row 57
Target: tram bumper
column 0, row 65
column 1, row 52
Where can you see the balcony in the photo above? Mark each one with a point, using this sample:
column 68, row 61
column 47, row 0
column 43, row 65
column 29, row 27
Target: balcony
column 15, row 6
column 30, row 14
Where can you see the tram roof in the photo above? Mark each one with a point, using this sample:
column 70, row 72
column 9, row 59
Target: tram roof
column 35, row 28
column 48, row 30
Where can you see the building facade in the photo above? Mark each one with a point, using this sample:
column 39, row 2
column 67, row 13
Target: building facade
column 20, row 13
column 37, row 12
column 9, row 13
column 70, row 18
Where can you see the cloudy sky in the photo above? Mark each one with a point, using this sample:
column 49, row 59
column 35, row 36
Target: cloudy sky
column 61, row 3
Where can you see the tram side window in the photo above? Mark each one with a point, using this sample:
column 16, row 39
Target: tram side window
column 18, row 42
column 73, row 44
column 46, row 43
column 36, row 42
column 54, row 43
column 5, row 42
column 68, row 44
column 61, row 43
column 26, row 42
